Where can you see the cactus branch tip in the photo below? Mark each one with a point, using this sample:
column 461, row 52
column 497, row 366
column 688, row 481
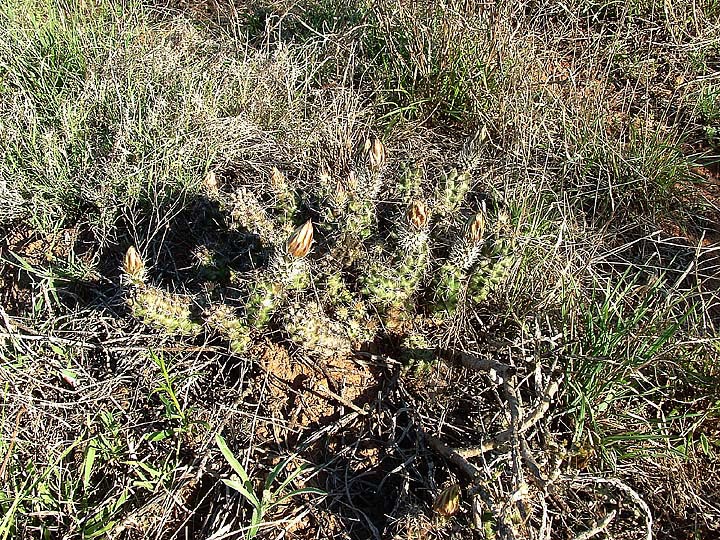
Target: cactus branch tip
column 133, row 264
column 300, row 241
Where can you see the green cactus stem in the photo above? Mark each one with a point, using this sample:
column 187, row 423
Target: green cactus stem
column 163, row 310
column 316, row 333
column 224, row 321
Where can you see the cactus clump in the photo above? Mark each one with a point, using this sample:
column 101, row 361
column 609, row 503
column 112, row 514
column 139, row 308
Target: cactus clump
column 374, row 272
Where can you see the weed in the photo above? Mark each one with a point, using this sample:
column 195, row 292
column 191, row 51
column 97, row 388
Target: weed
column 270, row 496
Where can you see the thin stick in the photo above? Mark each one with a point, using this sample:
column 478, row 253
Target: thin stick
column 598, row 528
column 504, row 436
column 12, row 443
column 627, row 489
column 452, row 456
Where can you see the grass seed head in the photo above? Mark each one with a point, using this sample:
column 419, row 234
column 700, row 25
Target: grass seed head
column 300, row 241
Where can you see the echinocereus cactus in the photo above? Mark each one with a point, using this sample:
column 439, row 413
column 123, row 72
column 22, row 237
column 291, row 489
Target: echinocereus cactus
column 456, row 183
column 154, row 307
column 363, row 185
column 310, row 328
column 288, row 271
column 247, row 213
column 451, row 278
column 496, row 260
column 392, row 283
column 163, row 310
column 286, row 206
column 348, row 309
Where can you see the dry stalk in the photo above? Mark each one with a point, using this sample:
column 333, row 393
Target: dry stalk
column 598, row 528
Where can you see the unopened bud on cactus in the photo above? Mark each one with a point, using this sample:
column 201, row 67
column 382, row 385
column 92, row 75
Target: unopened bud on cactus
column 210, row 182
column 476, row 228
column 377, row 154
column 418, row 214
column 503, row 220
column 133, row 265
column 340, row 196
column 300, row 240
column 447, row 503
column 277, row 179
column 353, row 181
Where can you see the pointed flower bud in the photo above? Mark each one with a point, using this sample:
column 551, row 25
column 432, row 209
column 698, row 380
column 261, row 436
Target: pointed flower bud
column 377, row 154
column 476, row 228
column 418, row 214
column 210, row 181
column 298, row 245
column 133, row 264
column 277, row 179
column 447, row 502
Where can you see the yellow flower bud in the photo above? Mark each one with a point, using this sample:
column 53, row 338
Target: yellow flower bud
column 447, row 503
column 210, row 182
column 377, row 154
column 298, row 245
column 476, row 228
column 277, row 179
column 133, row 264
column 418, row 214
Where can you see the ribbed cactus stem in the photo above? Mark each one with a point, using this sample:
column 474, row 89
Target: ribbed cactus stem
column 246, row 212
column 265, row 297
column 455, row 186
column 163, row 310
column 471, row 153
column 311, row 329
column 286, row 201
column 223, row 320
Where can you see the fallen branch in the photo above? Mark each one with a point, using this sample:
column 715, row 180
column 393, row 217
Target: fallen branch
column 504, row 436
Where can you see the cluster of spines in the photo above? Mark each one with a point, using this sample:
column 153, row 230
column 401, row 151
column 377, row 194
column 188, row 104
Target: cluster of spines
column 457, row 182
column 170, row 312
column 309, row 327
column 452, row 276
column 223, row 320
column 348, row 309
